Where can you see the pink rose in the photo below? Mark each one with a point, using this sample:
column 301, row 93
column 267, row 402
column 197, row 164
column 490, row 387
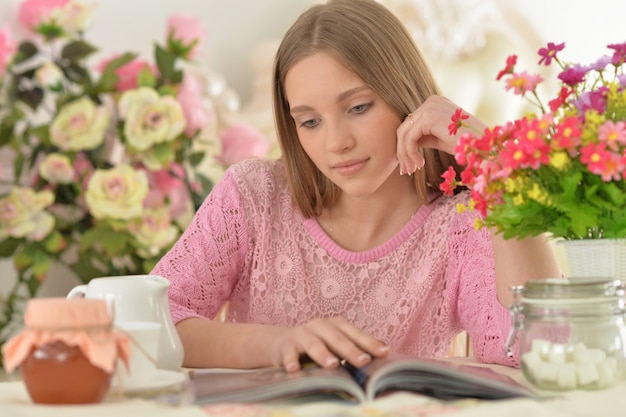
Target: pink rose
column 241, row 142
column 190, row 98
column 165, row 186
column 8, row 47
column 128, row 73
column 186, row 30
column 33, row 13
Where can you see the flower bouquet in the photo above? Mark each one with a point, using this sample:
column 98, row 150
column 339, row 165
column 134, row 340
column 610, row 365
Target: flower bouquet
column 107, row 158
column 560, row 170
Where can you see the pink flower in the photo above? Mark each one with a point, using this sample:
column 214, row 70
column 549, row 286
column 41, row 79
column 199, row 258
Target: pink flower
column 32, row 13
column 613, row 134
column 241, row 142
column 190, row 98
column 523, row 82
column 128, row 73
column 8, row 47
column 168, row 185
column 185, row 34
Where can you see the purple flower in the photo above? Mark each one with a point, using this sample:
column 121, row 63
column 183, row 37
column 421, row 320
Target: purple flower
column 601, row 63
column 595, row 99
column 547, row 54
column 573, row 75
column 619, row 56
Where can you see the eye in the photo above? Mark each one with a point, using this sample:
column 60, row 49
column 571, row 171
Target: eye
column 309, row 123
column 360, row 108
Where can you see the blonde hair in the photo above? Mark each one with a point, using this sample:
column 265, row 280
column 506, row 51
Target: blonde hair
column 369, row 40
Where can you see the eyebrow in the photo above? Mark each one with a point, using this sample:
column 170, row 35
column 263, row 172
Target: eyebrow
column 340, row 98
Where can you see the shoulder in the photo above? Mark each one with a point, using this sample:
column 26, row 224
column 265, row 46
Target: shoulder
column 259, row 177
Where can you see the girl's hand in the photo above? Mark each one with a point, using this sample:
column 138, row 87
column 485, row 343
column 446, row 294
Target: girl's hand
column 427, row 127
column 327, row 342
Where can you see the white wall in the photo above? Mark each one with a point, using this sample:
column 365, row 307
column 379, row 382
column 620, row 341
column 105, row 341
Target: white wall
column 235, row 26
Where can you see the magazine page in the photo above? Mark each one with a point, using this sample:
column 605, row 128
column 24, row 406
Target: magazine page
column 243, row 386
column 439, row 378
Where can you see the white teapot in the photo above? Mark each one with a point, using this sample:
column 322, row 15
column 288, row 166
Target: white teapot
column 139, row 298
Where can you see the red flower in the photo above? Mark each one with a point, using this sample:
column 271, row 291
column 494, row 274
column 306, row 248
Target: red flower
column 457, row 121
column 510, row 64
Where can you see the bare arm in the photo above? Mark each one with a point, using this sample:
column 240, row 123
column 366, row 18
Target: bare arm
column 209, row 343
column 518, row 261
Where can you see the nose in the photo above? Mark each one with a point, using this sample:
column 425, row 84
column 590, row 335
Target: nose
column 339, row 137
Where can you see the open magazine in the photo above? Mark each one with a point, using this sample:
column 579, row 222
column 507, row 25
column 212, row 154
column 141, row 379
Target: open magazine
column 439, row 378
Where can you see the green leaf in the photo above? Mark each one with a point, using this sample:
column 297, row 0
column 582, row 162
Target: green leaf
column 8, row 247
column 166, row 62
column 41, row 266
column 25, row 258
column 146, row 78
column 25, row 51
column 109, row 77
column 32, row 97
column 77, row 50
column 55, row 242
column 77, row 73
column 196, row 158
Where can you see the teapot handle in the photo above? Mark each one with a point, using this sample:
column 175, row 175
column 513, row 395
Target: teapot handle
column 77, row 292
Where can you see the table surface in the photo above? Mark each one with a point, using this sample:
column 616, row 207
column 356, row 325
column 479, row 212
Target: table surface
column 14, row 401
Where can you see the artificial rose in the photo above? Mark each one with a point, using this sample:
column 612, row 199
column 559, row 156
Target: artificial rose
column 50, row 76
column 241, row 142
column 39, row 16
column 168, row 185
column 117, row 193
column 8, row 47
column 74, row 17
column 23, row 215
column 197, row 115
column 128, row 74
column 57, row 168
column 185, row 35
column 79, row 125
column 150, row 118
column 154, row 231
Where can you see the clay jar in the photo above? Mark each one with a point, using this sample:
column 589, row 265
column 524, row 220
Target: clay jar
column 67, row 352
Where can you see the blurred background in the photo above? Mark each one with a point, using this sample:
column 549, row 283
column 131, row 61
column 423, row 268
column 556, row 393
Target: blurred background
column 466, row 43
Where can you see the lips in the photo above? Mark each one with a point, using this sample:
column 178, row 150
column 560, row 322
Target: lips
column 349, row 167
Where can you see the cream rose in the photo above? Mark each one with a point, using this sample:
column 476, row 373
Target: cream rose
column 154, row 231
column 150, row 118
column 23, row 215
column 50, row 76
column 80, row 125
column 117, row 193
column 56, row 169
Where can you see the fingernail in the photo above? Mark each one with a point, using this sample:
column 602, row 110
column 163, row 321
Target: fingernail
column 401, row 171
column 332, row 362
column 364, row 358
column 291, row 366
column 384, row 349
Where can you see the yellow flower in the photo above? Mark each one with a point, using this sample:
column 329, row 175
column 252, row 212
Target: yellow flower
column 560, row 160
column 80, row 125
column 56, row 168
column 117, row 193
column 23, row 215
column 538, row 194
column 154, row 231
column 518, row 200
column 150, row 118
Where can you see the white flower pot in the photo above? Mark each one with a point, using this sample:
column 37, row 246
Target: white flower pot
column 596, row 258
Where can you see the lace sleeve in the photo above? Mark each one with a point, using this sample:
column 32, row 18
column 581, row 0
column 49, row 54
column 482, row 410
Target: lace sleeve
column 479, row 311
column 205, row 262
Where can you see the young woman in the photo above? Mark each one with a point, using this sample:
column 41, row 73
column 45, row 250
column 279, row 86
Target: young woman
column 345, row 248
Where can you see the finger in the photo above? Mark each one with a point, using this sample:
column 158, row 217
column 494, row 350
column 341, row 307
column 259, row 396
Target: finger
column 409, row 155
column 352, row 344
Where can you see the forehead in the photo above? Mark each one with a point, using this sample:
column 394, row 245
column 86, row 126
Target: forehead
column 317, row 75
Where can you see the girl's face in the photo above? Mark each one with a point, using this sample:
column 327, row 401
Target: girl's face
column 346, row 129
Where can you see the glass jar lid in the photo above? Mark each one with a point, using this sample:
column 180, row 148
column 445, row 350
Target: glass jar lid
column 565, row 289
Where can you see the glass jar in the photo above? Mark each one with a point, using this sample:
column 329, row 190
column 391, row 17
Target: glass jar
column 67, row 351
column 572, row 334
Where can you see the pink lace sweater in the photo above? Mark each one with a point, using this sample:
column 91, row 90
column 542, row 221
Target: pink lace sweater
column 249, row 245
